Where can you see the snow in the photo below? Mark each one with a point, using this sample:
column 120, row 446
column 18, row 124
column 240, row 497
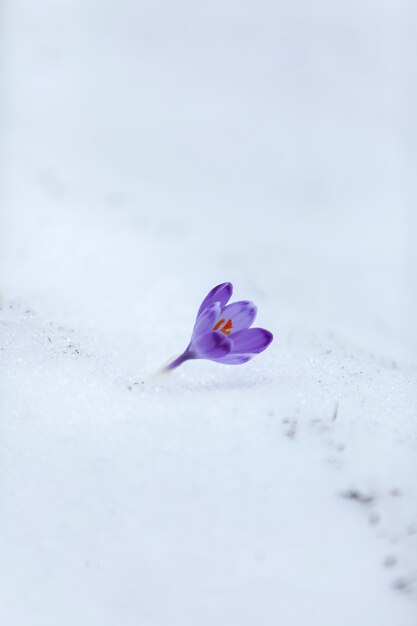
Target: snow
column 152, row 151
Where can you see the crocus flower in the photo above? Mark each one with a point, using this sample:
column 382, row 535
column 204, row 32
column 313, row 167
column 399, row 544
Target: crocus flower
column 222, row 331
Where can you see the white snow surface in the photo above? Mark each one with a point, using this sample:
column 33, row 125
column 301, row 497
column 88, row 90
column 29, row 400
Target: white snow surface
column 151, row 151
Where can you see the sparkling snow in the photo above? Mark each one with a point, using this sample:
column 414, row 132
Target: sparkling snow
column 153, row 150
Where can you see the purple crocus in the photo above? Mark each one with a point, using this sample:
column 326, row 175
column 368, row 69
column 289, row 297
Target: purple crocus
column 222, row 331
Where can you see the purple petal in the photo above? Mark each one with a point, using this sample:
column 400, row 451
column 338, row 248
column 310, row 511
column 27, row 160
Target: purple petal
column 211, row 345
column 251, row 341
column 241, row 313
column 222, row 293
column 235, row 359
column 207, row 319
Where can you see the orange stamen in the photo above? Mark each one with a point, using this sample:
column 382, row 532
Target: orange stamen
column 226, row 328
column 217, row 326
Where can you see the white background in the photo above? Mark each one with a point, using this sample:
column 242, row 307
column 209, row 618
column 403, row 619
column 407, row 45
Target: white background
column 150, row 151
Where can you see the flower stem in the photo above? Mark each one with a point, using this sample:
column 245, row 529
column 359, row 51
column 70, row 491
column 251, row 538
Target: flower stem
column 178, row 361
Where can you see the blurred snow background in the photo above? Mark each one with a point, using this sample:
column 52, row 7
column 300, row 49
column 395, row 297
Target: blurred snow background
column 149, row 152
